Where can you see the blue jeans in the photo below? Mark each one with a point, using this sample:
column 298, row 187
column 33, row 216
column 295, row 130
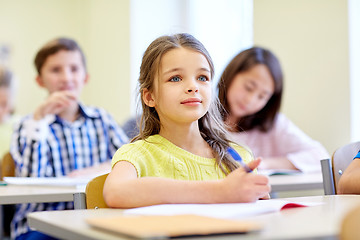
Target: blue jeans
column 34, row 235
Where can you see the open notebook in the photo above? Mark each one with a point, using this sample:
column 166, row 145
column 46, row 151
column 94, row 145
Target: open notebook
column 174, row 220
column 225, row 210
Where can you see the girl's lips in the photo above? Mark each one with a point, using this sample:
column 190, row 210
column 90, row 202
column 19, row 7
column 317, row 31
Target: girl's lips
column 191, row 100
column 241, row 106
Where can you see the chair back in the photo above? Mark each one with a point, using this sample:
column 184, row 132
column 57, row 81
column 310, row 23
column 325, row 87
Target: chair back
column 341, row 159
column 94, row 193
column 350, row 225
column 7, row 166
column 334, row 168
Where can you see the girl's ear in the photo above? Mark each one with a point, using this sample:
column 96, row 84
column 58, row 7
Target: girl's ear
column 148, row 98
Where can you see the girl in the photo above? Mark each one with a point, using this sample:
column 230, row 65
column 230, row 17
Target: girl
column 250, row 91
column 180, row 154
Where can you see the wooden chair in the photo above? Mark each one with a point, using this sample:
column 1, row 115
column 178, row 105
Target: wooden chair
column 334, row 168
column 7, row 166
column 350, row 225
column 94, row 193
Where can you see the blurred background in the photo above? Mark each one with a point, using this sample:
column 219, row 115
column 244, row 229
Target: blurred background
column 316, row 41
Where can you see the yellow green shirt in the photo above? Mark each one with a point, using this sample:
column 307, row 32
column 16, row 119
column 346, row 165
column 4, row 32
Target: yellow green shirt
column 158, row 157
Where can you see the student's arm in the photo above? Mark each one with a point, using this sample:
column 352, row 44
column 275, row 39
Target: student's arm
column 123, row 189
column 55, row 103
column 349, row 182
column 292, row 148
column 115, row 139
column 29, row 148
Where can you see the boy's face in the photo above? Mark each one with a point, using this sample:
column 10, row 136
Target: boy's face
column 63, row 71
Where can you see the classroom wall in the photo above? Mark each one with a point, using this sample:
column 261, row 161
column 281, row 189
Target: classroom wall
column 101, row 27
column 310, row 37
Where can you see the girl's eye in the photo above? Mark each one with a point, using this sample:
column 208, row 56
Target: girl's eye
column 74, row 69
column 265, row 97
column 55, row 70
column 175, row 79
column 249, row 88
column 203, row 78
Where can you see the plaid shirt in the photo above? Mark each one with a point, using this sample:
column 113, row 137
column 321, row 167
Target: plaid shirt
column 53, row 147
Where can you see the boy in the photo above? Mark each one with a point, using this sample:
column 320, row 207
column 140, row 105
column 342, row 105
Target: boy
column 63, row 136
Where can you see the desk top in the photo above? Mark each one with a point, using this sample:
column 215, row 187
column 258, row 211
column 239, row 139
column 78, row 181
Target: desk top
column 320, row 222
column 14, row 194
column 300, row 181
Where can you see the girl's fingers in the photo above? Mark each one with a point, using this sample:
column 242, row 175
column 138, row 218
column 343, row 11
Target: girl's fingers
column 255, row 163
column 266, row 197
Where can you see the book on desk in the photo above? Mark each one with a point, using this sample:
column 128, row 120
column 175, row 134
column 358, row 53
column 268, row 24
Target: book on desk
column 178, row 220
column 158, row 227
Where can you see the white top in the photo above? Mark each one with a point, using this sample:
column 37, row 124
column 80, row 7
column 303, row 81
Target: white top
column 284, row 140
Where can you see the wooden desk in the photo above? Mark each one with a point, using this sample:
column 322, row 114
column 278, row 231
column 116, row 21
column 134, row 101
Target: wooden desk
column 301, row 181
column 317, row 222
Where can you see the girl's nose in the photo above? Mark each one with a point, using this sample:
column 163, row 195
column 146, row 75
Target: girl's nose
column 191, row 90
column 193, row 87
column 250, row 98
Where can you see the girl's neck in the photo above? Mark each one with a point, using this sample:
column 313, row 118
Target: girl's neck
column 187, row 137
column 71, row 113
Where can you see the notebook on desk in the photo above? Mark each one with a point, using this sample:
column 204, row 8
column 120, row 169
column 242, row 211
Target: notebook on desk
column 177, row 220
column 158, row 227
column 223, row 210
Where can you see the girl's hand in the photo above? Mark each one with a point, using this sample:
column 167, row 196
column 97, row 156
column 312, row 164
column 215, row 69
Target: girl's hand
column 240, row 186
column 56, row 103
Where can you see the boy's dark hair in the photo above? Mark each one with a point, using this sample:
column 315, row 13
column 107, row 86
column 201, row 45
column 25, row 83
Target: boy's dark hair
column 55, row 46
column 244, row 61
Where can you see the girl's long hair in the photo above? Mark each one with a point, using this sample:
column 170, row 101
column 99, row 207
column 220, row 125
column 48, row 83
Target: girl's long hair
column 210, row 125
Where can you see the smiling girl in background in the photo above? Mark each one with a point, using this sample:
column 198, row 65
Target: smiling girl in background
column 250, row 90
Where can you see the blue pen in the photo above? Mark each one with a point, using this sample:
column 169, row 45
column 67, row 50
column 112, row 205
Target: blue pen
column 238, row 158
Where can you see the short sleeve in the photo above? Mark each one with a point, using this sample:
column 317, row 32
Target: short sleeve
column 127, row 153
